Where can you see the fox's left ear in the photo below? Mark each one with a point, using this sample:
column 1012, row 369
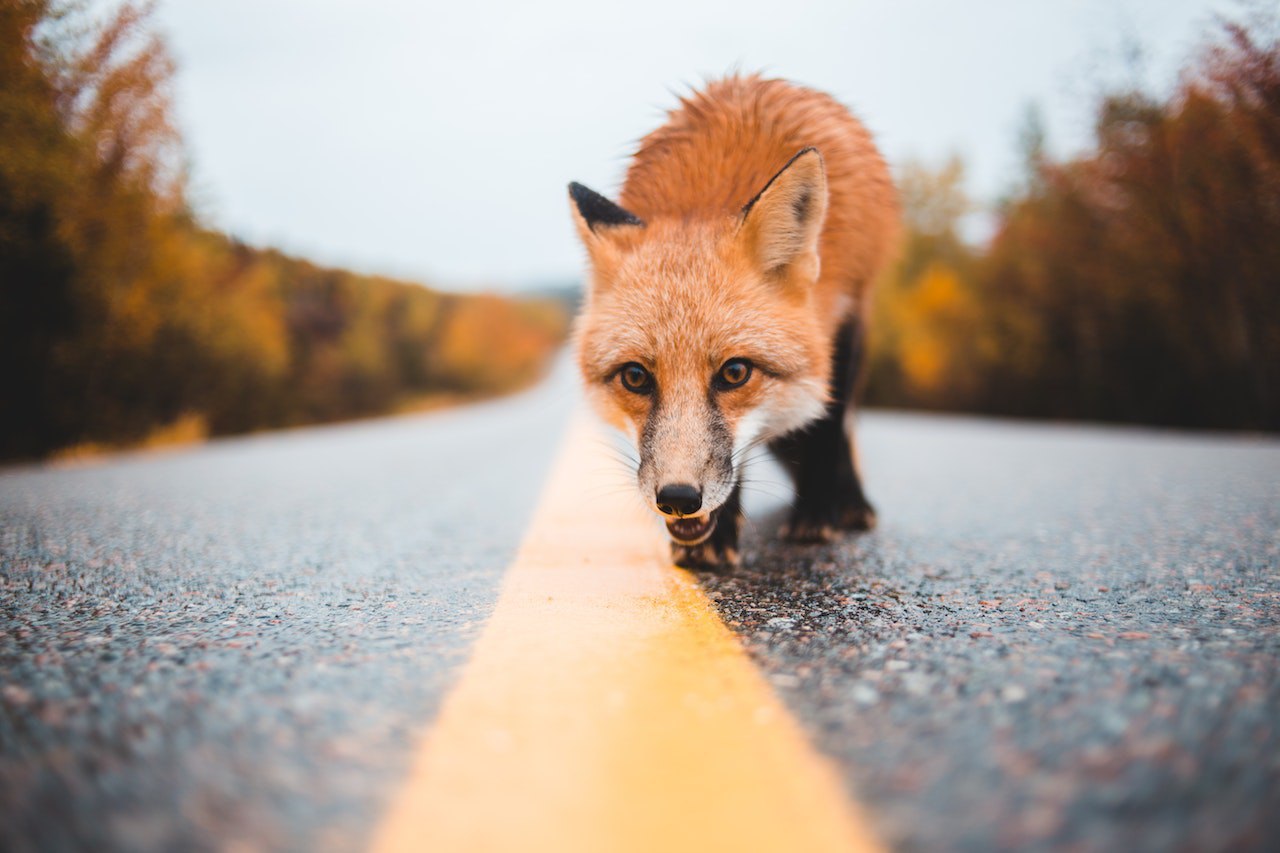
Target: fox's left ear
column 606, row 229
column 596, row 216
column 782, row 224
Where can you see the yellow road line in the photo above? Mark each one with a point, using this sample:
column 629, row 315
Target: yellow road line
column 607, row 708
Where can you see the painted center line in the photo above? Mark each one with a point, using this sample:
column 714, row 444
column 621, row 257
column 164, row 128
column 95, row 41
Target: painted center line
column 607, row 708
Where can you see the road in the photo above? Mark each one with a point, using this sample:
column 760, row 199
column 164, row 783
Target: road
column 1059, row 637
column 242, row 640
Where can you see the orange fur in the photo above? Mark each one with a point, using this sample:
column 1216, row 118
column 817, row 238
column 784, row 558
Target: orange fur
column 722, row 145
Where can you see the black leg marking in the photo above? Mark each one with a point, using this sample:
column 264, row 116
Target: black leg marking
column 720, row 550
column 820, row 457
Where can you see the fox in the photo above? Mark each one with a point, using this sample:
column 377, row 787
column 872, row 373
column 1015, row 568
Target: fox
column 727, row 303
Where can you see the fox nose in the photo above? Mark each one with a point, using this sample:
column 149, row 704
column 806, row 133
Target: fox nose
column 679, row 500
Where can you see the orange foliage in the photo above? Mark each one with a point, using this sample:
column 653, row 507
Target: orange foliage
column 1137, row 282
column 121, row 318
column 488, row 342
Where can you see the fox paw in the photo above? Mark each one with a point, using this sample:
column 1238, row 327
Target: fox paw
column 809, row 530
column 705, row 555
column 816, row 526
column 859, row 517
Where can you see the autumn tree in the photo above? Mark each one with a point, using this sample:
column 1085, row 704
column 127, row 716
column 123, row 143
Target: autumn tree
column 1149, row 267
column 120, row 314
column 36, row 264
column 1138, row 281
column 926, row 347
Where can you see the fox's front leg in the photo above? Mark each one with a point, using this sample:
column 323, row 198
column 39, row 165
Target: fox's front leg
column 720, row 548
column 821, row 457
column 829, row 495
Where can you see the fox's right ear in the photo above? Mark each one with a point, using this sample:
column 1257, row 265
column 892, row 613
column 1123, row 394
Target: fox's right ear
column 597, row 217
column 782, row 225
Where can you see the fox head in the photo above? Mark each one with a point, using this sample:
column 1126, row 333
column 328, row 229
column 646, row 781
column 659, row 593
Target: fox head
column 699, row 338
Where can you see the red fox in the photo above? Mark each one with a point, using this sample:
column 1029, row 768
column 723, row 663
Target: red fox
column 727, row 303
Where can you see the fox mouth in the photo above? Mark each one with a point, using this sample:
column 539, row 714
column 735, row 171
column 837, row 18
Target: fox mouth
column 693, row 530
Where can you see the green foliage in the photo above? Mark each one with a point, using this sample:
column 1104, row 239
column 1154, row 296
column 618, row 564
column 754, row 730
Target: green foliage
column 1138, row 282
column 120, row 316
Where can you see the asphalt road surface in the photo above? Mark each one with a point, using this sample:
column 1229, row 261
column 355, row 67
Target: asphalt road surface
column 1060, row 637
column 233, row 647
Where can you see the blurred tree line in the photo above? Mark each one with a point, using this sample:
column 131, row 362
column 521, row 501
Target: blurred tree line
column 120, row 314
column 1137, row 282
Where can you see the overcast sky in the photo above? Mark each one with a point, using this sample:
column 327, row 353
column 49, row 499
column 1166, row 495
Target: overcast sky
column 433, row 140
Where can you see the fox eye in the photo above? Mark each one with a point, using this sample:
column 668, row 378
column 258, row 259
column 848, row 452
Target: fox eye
column 636, row 379
column 734, row 372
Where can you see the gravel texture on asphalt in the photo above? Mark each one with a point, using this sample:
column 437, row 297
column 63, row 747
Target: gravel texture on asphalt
column 235, row 646
column 1058, row 637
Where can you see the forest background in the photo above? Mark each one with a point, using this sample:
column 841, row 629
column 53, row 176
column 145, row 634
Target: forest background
column 1138, row 281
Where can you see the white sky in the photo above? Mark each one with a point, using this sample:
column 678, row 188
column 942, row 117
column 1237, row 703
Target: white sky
column 433, row 140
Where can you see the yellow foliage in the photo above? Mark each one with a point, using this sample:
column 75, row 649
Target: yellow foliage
column 188, row 429
column 930, row 314
column 926, row 328
column 489, row 342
